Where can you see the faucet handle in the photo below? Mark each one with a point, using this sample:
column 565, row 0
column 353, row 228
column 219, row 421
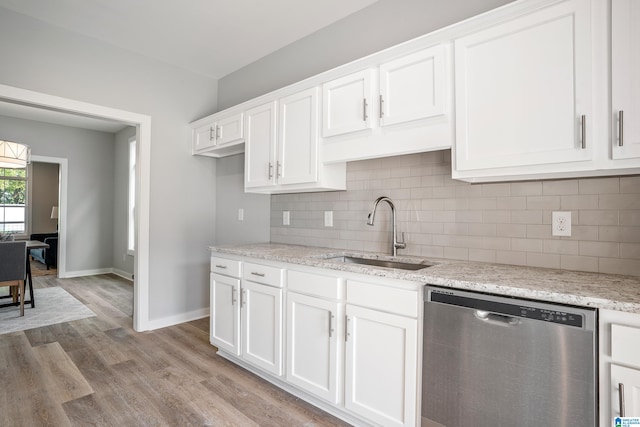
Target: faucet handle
column 401, row 244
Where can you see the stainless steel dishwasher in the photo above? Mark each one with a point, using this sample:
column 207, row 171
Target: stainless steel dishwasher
column 492, row 361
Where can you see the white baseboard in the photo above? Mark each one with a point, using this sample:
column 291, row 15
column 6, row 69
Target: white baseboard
column 163, row 322
column 121, row 273
column 80, row 273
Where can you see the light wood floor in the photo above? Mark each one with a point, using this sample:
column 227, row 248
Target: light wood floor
column 99, row 372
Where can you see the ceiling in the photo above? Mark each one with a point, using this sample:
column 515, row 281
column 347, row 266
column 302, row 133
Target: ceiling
column 209, row 37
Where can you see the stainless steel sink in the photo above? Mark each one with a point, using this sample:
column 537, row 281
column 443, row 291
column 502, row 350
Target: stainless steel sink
column 382, row 263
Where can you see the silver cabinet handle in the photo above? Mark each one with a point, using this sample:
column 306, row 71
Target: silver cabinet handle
column 217, row 132
column 364, row 109
column 278, row 169
column 255, row 273
column 346, row 329
column 233, row 296
column 621, row 398
column 212, row 136
column 270, row 170
column 221, row 266
column 242, row 298
column 583, row 127
column 331, row 316
column 620, row 128
column 381, row 106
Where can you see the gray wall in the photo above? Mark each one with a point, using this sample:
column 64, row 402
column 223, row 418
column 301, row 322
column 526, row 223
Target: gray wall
column 381, row 25
column 44, row 183
column 55, row 61
column 230, row 197
column 122, row 261
column 90, row 157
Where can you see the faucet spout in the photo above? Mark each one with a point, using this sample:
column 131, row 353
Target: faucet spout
column 395, row 245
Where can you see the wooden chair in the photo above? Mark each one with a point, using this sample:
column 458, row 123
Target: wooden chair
column 13, row 271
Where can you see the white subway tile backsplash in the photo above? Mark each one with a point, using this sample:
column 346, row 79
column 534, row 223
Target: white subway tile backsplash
column 506, row 223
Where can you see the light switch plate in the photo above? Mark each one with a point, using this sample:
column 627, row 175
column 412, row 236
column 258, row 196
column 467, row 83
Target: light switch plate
column 240, row 214
column 561, row 224
column 286, row 218
column 328, row 218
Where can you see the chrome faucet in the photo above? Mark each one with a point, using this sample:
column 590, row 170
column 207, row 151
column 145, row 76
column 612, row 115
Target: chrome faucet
column 395, row 245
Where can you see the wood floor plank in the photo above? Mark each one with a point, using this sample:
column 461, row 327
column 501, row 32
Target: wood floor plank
column 61, row 377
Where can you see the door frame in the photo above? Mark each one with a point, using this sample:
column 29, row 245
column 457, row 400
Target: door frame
column 143, row 177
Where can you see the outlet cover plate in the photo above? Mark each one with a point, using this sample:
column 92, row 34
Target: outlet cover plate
column 328, row 218
column 561, row 224
column 286, row 218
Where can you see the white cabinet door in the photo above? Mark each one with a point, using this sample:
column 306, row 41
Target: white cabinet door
column 630, row 380
column 229, row 129
column 298, row 138
column 260, row 134
column 225, row 313
column 625, row 78
column 204, row 137
column 413, row 87
column 262, row 326
column 347, row 104
column 381, row 366
column 522, row 88
column 314, row 332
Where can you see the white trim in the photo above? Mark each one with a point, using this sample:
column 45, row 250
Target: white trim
column 143, row 179
column 63, row 180
column 163, row 322
column 121, row 273
column 91, row 272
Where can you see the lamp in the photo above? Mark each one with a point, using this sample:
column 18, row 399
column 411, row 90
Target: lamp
column 54, row 215
column 14, row 155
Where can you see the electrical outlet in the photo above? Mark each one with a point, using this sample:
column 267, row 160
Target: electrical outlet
column 561, row 223
column 240, row 214
column 328, row 218
column 286, row 218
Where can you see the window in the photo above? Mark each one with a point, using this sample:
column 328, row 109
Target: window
column 131, row 211
column 13, row 200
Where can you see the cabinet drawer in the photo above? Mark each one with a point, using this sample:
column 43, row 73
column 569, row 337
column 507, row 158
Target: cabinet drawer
column 226, row 267
column 385, row 298
column 315, row 284
column 625, row 344
column 263, row 274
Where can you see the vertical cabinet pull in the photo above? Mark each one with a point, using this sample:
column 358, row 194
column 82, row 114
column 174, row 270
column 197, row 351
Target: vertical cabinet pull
column 364, row 109
column 381, row 106
column 233, row 296
column 212, row 135
column 330, row 324
column 217, row 132
column 620, row 128
column 242, row 297
column 346, row 330
column 278, row 169
column 270, row 170
column 621, row 398
column 583, row 128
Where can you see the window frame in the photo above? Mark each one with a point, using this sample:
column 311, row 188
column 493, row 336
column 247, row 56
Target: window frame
column 27, row 204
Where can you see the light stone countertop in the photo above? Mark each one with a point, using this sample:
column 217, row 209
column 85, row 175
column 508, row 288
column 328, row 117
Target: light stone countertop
column 608, row 291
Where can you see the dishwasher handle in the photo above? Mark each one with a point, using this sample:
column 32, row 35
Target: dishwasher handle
column 496, row 319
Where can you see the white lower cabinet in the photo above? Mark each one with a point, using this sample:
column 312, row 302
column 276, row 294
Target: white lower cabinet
column 381, row 366
column 225, row 313
column 262, row 326
column 619, row 365
column 314, row 333
column 347, row 345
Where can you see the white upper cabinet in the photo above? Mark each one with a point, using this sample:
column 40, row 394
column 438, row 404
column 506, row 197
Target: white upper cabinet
column 346, row 104
column 413, row 87
column 282, row 147
column 523, row 93
column 298, row 138
column 398, row 106
column 218, row 135
column 259, row 158
column 625, row 78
